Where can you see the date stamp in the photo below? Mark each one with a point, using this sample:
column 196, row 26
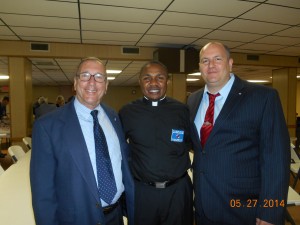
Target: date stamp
column 252, row 203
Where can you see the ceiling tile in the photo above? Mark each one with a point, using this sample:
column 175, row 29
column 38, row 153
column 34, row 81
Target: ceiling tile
column 228, row 8
column 38, row 7
column 144, row 4
column 107, row 26
column 178, row 31
column 40, row 21
column 249, row 26
column 278, row 40
column 191, row 20
column 118, row 13
column 291, row 32
column 233, row 36
column 275, row 14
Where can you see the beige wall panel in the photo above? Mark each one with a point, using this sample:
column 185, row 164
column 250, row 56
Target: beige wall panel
column 298, row 98
column 179, row 87
column 117, row 97
column 65, row 50
column 284, row 81
column 19, row 69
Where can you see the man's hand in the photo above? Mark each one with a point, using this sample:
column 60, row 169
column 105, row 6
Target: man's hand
column 261, row 222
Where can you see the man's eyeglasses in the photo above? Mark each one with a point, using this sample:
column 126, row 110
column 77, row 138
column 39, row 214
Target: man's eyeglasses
column 100, row 78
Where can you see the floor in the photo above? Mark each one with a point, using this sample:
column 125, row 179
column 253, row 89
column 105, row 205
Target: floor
column 293, row 210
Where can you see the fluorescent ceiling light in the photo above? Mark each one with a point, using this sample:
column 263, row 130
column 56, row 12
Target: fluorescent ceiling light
column 111, row 78
column 4, row 77
column 195, row 74
column 191, row 79
column 113, row 71
column 258, row 81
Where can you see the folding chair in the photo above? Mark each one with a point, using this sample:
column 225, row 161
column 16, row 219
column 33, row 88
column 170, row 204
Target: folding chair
column 295, row 165
column 16, row 152
column 27, row 142
column 292, row 200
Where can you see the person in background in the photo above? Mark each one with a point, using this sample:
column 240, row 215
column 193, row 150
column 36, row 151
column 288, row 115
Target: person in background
column 3, row 104
column 158, row 131
column 241, row 172
column 60, row 101
column 68, row 181
column 35, row 105
column 44, row 107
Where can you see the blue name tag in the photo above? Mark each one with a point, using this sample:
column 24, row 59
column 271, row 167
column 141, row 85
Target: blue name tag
column 177, row 135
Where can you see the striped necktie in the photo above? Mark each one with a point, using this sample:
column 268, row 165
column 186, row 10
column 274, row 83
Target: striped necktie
column 209, row 119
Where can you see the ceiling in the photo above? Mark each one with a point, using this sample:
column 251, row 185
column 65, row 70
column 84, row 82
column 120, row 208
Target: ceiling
column 256, row 27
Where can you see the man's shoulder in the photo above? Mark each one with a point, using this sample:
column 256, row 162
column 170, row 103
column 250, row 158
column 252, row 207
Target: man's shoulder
column 131, row 104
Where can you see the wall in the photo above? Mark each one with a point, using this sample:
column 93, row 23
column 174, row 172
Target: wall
column 116, row 97
column 51, row 92
column 298, row 98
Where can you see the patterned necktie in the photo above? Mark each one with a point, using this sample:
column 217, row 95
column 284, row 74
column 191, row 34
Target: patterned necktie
column 106, row 181
column 209, row 119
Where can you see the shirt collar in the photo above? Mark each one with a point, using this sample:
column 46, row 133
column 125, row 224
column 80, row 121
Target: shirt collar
column 154, row 103
column 227, row 87
column 84, row 112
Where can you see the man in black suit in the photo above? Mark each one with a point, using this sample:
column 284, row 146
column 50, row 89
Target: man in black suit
column 241, row 173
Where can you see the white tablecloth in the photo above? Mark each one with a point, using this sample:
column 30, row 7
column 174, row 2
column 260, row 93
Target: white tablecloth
column 15, row 194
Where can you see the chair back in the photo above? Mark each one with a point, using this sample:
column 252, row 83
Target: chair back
column 294, row 155
column 27, row 142
column 16, row 152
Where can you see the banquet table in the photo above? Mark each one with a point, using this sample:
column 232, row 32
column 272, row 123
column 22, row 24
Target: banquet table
column 15, row 194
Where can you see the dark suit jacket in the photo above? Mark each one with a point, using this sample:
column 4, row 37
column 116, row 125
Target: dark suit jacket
column 64, row 189
column 246, row 157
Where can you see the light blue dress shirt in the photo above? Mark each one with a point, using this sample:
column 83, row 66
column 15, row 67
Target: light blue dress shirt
column 87, row 127
column 219, row 102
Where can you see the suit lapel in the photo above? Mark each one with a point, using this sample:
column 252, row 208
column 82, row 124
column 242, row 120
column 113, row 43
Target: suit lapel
column 234, row 97
column 196, row 103
column 75, row 143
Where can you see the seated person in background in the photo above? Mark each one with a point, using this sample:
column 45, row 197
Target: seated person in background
column 60, row 101
column 3, row 105
column 44, row 107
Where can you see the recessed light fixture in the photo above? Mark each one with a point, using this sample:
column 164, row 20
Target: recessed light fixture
column 111, row 78
column 4, row 77
column 113, row 71
column 191, row 79
column 195, row 74
column 258, row 81
column 298, row 76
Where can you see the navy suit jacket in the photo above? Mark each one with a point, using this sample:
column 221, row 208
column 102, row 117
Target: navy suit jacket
column 246, row 157
column 64, row 189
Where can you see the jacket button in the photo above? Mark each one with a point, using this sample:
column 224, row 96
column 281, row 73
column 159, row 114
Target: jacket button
column 97, row 205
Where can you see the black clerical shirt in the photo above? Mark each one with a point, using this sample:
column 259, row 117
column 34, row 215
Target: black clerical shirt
column 159, row 138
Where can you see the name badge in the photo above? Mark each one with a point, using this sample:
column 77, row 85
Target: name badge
column 177, row 135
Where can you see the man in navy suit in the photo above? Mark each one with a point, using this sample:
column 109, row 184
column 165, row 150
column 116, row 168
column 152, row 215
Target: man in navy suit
column 63, row 163
column 241, row 173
